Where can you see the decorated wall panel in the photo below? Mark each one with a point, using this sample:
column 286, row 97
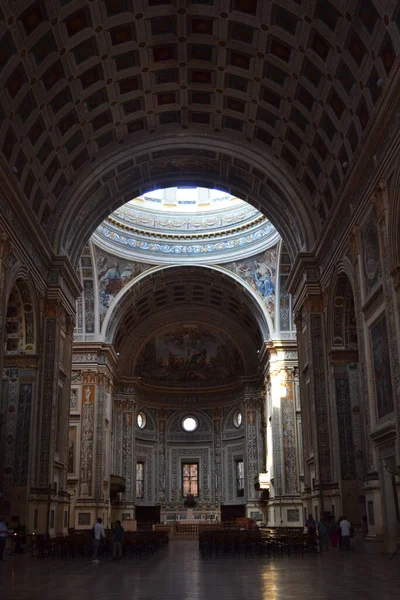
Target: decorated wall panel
column 23, row 434
column 370, row 257
column 195, row 454
column 87, row 440
column 146, row 454
column 231, row 454
column 72, row 463
column 382, row 377
column 345, row 430
column 289, row 439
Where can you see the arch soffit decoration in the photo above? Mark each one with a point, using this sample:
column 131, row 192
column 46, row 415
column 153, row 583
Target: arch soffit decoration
column 270, row 74
column 123, row 300
column 21, row 280
column 343, row 274
column 207, row 316
column 165, row 161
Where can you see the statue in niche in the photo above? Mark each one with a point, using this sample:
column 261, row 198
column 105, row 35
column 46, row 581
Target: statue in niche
column 73, row 404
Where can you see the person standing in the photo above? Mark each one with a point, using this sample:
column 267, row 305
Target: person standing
column 311, row 528
column 345, row 529
column 333, row 532
column 323, row 535
column 118, row 538
column 99, row 534
column 3, row 536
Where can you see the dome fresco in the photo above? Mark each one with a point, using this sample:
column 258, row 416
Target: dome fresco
column 186, row 225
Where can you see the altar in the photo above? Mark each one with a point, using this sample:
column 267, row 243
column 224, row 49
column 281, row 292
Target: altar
column 190, row 516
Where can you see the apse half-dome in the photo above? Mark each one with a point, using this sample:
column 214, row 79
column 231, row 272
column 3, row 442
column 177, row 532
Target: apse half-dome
column 189, row 353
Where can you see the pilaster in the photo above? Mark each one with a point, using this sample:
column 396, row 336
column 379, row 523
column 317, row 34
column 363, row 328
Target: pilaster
column 285, row 449
column 90, row 426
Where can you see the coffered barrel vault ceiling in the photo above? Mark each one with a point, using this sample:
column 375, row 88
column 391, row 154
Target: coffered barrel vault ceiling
column 298, row 80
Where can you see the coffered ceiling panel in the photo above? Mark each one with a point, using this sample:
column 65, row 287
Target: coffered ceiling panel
column 298, row 79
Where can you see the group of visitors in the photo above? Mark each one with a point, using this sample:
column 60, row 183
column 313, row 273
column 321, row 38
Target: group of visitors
column 331, row 533
column 99, row 537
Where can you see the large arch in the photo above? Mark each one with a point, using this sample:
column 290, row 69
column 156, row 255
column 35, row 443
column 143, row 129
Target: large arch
column 149, row 279
column 83, row 82
column 163, row 161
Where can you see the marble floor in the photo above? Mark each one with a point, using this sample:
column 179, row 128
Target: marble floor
column 179, row 573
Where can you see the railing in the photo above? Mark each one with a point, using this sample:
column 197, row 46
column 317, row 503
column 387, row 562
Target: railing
column 186, row 529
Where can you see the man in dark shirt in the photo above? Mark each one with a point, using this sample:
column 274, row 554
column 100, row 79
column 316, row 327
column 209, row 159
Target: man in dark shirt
column 118, row 538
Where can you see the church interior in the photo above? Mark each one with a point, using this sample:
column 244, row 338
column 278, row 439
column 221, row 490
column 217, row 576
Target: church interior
column 200, row 264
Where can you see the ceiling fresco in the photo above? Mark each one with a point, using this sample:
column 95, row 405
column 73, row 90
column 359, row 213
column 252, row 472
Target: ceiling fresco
column 260, row 273
column 298, row 81
column 189, row 352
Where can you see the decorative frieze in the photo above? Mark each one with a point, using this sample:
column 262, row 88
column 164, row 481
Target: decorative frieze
column 87, row 440
column 289, row 440
column 162, row 424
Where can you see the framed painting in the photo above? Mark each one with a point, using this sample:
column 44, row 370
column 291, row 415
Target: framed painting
column 382, row 376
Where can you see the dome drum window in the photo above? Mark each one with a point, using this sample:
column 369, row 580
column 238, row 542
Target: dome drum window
column 237, row 418
column 141, row 420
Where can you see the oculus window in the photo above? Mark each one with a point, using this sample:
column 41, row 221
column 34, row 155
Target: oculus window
column 190, row 479
column 190, row 424
column 141, row 420
column 237, row 418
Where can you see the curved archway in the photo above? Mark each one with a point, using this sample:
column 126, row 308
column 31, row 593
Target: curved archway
column 342, row 323
column 118, row 304
column 21, row 318
column 164, row 161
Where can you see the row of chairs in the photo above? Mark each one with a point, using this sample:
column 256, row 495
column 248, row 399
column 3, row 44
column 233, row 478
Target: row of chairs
column 78, row 546
column 230, row 543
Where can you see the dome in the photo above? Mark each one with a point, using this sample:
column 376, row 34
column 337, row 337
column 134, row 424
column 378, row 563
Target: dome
column 186, row 225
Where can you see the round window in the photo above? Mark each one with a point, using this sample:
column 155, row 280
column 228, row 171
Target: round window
column 190, row 424
column 141, row 420
column 237, row 418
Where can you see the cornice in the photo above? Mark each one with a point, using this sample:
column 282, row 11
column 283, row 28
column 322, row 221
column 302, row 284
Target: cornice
column 186, row 236
column 97, row 349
